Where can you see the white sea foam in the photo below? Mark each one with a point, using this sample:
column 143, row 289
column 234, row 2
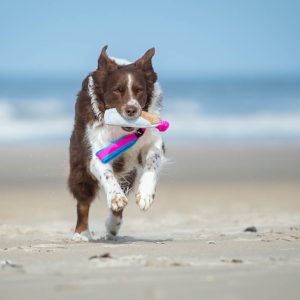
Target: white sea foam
column 44, row 119
column 32, row 120
column 257, row 125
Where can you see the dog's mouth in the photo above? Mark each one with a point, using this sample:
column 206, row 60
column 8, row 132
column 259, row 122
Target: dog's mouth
column 128, row 129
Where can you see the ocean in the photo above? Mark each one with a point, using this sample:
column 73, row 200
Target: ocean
column 241, row 109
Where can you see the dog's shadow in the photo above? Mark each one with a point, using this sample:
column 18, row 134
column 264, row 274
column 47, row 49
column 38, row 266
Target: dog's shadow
column 129, row 240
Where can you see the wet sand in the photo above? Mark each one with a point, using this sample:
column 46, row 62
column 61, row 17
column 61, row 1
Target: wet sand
column 191, row 244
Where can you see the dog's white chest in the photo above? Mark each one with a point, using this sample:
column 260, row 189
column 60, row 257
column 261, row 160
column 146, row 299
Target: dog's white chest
column 99, row 136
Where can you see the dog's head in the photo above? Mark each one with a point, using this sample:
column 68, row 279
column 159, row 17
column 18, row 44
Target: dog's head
column 128, row 88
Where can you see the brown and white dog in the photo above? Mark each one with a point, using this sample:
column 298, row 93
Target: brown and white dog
column 130, row 88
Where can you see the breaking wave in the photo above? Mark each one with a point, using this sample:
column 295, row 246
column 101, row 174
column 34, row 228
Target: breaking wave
column 52, row 119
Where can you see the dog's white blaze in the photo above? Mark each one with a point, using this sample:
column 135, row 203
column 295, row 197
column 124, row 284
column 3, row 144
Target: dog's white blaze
column 129, row 86
column 131, row 100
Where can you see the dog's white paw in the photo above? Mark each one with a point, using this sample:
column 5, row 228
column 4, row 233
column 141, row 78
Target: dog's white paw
column 144, row 200
column 146, row 190
column 117, row 201
column 84, row 236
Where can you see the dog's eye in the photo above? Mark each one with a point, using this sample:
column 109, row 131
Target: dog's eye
column 118, row 90
column 139, row 90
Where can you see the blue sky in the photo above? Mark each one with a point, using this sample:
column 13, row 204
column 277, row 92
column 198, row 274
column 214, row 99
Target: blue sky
column 192, row 38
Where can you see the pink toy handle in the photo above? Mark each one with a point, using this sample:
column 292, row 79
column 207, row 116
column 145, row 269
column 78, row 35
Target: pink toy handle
column 163, row 125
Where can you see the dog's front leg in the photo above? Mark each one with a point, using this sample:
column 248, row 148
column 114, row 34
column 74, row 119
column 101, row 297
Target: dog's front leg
column 116, row 198
column 147, row 184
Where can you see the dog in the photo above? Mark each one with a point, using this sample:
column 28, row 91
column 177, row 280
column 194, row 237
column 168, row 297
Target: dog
column 130, row 88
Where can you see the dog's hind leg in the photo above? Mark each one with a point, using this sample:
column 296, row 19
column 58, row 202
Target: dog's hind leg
column 84, row 192
column 82, row 232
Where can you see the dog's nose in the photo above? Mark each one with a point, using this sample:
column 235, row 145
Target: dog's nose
column 131, row 110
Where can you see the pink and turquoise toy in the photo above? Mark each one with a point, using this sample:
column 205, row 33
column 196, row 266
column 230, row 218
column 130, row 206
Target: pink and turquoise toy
column 119, row 146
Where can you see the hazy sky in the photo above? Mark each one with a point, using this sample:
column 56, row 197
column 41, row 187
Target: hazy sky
column 191, row 37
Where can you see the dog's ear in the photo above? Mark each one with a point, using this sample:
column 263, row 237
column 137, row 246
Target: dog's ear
column 145, row 63
column 105, row 62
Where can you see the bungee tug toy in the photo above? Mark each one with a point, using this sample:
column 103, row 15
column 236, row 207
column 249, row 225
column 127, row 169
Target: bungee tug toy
column 119, row 146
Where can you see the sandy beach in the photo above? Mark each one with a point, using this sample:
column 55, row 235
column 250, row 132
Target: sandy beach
column 191, row 244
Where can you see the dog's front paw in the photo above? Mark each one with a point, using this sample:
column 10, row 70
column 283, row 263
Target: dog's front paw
column 117, row 201
column 144, row 200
